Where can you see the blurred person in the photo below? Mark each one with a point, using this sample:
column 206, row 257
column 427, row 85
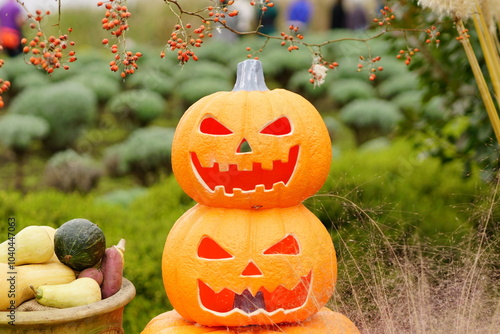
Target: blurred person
column 243, row 22
column 300, row 13
column 246, row 15
column 267, row 19
column 11, row 22
column 356, row 16
column 338, row 16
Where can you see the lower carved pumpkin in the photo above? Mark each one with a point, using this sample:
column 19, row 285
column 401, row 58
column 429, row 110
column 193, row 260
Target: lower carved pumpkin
column 235, row 267
column 323, row 322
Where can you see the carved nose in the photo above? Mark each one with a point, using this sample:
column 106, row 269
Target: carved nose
column 251, row 270
column 244, row 147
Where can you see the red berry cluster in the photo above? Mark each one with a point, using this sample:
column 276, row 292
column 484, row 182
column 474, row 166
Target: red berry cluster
column 290, row 39
column 184, row 39
column 4, row 84
column 265, row 4
column 407, row 55
column 370, row 64
column 387, row 17
column 464, row 34
column 432, row 35
column 48, row 53
column 116, row 22
column 128, row 61
column 219, row 13
column 255, row 52
column 116, row 17
column 318, row 71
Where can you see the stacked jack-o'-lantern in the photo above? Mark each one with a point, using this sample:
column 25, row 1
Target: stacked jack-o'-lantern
column 250, row 253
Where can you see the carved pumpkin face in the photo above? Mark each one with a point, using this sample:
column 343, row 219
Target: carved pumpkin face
column 251, row 149
column 232, row 267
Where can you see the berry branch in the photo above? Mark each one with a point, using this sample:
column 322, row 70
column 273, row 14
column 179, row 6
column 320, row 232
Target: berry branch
column 185, row 39
column 116, row 22
column 47, row 53
column 50, row 53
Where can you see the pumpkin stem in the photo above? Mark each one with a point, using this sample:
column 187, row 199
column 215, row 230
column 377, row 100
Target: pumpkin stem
column 250, row 76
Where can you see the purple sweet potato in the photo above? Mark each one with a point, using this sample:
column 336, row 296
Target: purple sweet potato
column 94, row 273
column 112, row 269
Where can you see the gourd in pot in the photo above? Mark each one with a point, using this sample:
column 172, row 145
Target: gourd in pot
column 31, row 245
column 15, row 282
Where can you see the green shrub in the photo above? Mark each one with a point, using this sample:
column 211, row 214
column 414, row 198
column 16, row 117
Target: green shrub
column 371, row 118
column 68, row 171
column 346, row 90
column 17, row 68
column 91, row 61
column 279, row 66
column 115, row 164
column 334, row 126
column 194, row 89
column 150, row 60
column 435, row 109
column 276, row 59
column 93, row 65
column 145, row 154
column 211, row 52
column 406, row 192
column 299, row 83
column 32, row 79
column 204, row 70
column 395, row 85
column 140, row 106
column 347, row 69
column 152, row 80
column 409, row 101
column 68, row 107
column 122, row 197
column 101, row 84
column 392, row 68
column 19, row 131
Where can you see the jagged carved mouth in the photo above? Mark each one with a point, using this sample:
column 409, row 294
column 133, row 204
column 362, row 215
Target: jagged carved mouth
column 263, row 301
column 246, row 180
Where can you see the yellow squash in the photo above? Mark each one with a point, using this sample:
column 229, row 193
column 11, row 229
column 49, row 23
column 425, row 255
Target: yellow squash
column 31, row 245
column 80, row 292
column 15, row 282
column 51, row 232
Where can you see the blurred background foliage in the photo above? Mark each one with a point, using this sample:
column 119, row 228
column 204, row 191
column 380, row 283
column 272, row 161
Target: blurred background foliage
column 413, row 149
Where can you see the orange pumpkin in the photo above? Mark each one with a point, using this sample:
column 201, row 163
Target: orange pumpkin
column 234, row 267
column 251, row 147
column 325, row 321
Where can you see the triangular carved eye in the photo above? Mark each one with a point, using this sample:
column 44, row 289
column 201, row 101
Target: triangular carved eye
column 211, row 250
column 278, row 127
column 211, row 126
column 288, row 246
